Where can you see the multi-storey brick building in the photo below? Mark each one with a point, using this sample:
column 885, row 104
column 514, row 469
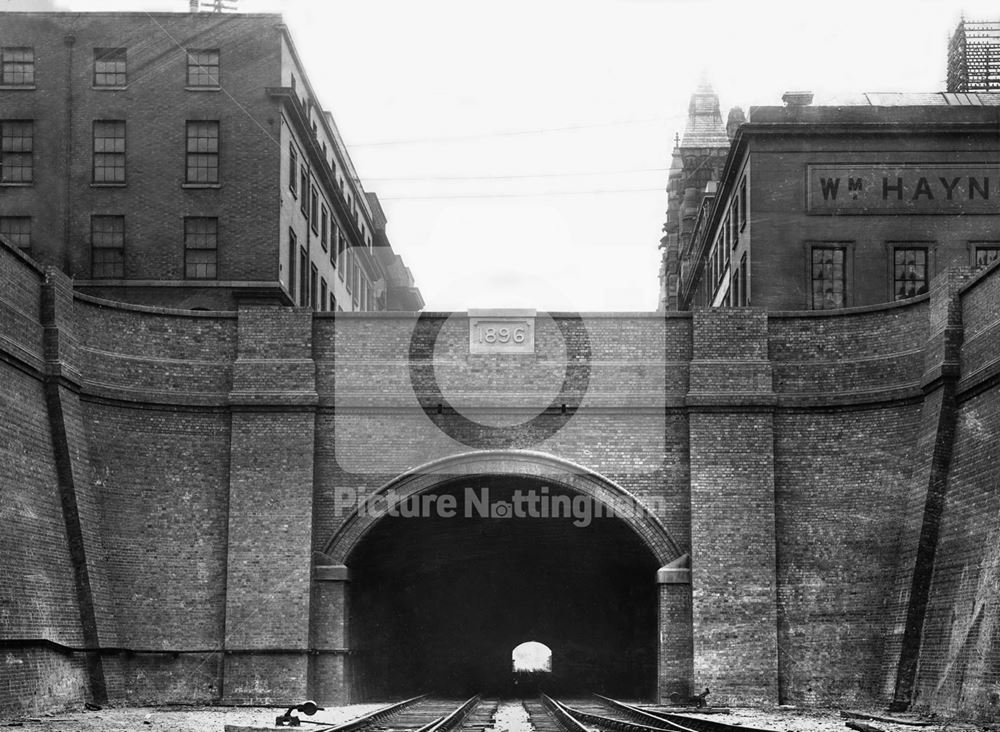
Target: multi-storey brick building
column 183, row 159
column 821, row 207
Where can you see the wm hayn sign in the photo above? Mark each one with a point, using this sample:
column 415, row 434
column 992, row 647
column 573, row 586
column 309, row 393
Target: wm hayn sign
column 910, row 188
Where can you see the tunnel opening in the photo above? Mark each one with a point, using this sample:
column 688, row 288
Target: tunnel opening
column 531, row 664
column 531, row 657
column 437, row 602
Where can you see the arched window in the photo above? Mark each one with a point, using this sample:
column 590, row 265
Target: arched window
column 532, row 657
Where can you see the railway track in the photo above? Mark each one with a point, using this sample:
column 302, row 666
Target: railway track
column 608, row 715
column 548, row 717
column 545, row 714
column 419, row 714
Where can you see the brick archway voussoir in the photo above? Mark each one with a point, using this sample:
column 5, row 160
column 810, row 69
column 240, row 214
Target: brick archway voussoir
column 514, row 463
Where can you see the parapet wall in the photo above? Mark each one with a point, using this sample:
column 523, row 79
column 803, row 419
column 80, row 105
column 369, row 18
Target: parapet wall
column 795, row 456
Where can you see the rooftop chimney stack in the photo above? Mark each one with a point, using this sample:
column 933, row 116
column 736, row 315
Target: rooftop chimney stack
column 797, row 98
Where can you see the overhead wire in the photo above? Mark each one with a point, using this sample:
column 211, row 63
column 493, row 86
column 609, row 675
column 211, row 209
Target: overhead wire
column 513, row 133
column 158, row 63
column 517, row 176
column 538, row 194
column 225, row 91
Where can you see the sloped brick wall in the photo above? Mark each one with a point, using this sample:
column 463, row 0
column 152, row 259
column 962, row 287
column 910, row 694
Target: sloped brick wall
column 959, row 667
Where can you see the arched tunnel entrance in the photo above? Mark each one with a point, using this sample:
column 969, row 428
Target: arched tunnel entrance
column 531, row 663
column 437, row 600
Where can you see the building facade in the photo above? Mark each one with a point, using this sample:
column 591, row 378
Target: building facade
column 697, row 159
column 974, row 57
column 821, row 207
column 180, row 159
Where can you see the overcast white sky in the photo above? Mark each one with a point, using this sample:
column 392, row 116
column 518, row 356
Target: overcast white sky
column 520, row 147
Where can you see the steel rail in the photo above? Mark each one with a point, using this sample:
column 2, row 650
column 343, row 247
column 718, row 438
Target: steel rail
column 622, row 725
column 366, row 719
column 562, row 714
column 646, row 716
column 450, row 720
column 687, row 722
column 625, row 725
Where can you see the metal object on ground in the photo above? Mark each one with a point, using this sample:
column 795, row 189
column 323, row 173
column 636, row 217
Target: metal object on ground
column 698, row 700
column 288, row 719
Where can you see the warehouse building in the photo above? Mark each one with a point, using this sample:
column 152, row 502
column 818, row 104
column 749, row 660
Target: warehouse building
column 821, row 207
column 184, row 159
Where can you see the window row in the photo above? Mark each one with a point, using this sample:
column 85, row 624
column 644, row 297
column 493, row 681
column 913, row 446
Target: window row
column 109, row 148
column 829, row 272
column 110, row 68
column 735, row 219
column 737, row 294
column 718, row 265
column 303, row 186
column 108, row 243
column 321, row 221
column 308, row 289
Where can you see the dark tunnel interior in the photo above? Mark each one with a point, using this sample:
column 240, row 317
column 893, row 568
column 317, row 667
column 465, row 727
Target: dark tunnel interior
column 438, row 603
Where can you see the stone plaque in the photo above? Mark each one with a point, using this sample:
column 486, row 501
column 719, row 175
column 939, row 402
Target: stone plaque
column 501, row 331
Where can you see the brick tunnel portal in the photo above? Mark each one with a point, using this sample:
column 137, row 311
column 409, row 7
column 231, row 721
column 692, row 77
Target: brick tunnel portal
column 439, row 599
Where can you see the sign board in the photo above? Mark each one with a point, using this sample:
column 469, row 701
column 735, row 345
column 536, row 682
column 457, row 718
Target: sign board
column 905, row 188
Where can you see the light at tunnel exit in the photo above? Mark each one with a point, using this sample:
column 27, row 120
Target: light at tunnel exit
column 532, row 656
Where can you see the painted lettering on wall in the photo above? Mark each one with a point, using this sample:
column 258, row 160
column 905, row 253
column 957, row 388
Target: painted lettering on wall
column 914, row 188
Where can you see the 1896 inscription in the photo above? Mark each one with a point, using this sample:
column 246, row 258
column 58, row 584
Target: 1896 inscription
column 502, row 331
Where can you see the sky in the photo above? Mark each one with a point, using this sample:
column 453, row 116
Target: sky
column 520, row 148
